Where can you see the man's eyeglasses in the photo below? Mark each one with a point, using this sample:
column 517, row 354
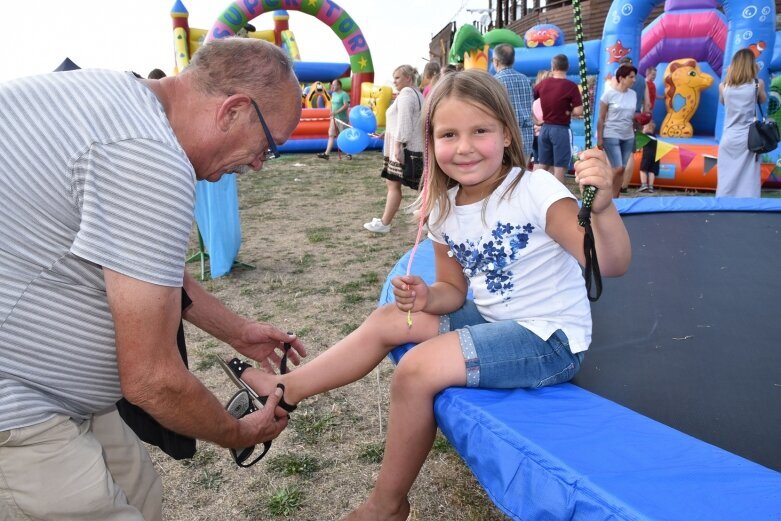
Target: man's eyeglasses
column 271, row 152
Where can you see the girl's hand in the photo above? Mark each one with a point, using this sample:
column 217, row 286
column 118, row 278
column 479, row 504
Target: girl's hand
column 592, row 168
column 411, row 292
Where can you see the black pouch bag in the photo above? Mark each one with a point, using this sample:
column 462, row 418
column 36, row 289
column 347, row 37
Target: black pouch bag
column 413, row 168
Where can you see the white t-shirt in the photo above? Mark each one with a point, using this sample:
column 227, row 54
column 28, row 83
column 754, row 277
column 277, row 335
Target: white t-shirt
column 515, row 270
column 620, row 113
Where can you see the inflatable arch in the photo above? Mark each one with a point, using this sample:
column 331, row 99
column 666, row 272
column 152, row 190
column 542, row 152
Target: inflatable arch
column 341, row 23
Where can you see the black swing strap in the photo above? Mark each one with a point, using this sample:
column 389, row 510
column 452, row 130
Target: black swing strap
column 591, row 270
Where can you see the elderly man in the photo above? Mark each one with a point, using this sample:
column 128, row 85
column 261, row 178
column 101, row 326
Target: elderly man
column 519, row 89
column 97, row 181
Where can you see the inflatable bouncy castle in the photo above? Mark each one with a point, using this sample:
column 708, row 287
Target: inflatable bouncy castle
column 708, row 32
column 700, row 38
column 312, row 134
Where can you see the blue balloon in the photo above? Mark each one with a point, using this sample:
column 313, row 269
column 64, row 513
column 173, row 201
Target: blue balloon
column 352, row 141
column 362, row 117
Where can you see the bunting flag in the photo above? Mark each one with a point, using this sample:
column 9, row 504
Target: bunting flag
column 710, row 162
column 686, row 157
column 641, row 140
column 663, row 148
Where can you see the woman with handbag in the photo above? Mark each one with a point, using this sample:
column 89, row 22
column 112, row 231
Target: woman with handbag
column 403, row 146
column 738, row 172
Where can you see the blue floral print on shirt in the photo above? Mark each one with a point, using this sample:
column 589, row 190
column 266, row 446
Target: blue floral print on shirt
column 492, row 257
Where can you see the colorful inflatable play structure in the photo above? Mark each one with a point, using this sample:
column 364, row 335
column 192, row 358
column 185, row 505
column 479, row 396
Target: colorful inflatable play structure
column 691, row 44
column 357, row 76
column 216, row 208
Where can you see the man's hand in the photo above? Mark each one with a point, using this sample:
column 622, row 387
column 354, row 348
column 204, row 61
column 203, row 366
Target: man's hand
column 262, row 426
column 264, row 343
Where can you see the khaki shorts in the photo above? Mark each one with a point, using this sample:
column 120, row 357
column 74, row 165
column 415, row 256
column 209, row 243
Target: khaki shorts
column 66, row 470
column 336, row 126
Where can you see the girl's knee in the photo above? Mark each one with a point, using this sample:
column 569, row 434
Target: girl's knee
column 409, row 376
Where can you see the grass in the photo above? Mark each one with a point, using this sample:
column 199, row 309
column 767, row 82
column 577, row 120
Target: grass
column 285, row 501
column 312, row 426
column 210, row 479
column 372, row 453
column 302, row 465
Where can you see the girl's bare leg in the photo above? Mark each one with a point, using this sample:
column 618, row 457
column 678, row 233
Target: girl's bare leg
column 351, row 358
column 423, row 372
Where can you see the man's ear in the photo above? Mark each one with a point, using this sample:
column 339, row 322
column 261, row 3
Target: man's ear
column 231, row 110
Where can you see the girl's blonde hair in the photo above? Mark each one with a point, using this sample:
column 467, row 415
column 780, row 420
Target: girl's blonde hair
column 742, row 69
column 477, row 88
column 541, row 75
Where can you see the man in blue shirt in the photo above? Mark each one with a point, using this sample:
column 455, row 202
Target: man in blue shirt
column 520, row 91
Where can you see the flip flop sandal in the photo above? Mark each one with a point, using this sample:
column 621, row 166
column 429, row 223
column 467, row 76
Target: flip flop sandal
column 246, row 401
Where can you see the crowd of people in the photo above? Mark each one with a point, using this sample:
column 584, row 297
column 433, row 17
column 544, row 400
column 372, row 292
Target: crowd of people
column 98, row 218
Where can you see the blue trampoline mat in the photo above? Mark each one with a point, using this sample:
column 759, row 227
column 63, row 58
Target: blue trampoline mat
column 563, row 452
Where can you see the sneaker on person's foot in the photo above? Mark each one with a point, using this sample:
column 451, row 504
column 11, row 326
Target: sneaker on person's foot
column 348, row 156
column 624, row 190
column 650, row 189
column 323, row 155
column 642, row 188
column 376, row 226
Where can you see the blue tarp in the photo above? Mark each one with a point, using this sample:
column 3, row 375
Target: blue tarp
column 563, row 452
column 217, row 215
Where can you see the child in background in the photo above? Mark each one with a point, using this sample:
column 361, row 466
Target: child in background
column 511, row 235
column 537, row 115
column 431, row 73
column 649, row 165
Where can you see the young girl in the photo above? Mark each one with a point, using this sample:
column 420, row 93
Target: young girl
column 513, row 236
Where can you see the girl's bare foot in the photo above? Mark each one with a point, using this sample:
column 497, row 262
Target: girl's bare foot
column 370, row 511
column 261, row 382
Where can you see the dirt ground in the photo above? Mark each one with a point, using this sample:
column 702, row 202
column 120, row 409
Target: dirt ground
column 316, row 272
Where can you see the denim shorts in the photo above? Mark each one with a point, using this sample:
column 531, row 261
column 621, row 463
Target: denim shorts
column 618, row 150
column 506, row 355
column 554, row 145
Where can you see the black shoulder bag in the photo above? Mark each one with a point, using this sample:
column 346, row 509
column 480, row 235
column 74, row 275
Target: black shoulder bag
column 763, row 136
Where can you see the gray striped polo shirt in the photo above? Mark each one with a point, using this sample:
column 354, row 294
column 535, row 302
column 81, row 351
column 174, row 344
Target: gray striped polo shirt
column 91, row 175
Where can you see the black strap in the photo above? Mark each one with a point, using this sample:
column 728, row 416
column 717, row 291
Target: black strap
column 283, row 362
column 591, row 269
column 756, row 95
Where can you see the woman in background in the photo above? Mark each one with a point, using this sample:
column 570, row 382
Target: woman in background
column 615, row 126
column 738, row 169
column 403, row 131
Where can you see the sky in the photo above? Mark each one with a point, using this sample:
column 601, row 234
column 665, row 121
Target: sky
column 136, row 35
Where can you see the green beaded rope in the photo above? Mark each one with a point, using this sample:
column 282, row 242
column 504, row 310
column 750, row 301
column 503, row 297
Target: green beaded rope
column 589, row 192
